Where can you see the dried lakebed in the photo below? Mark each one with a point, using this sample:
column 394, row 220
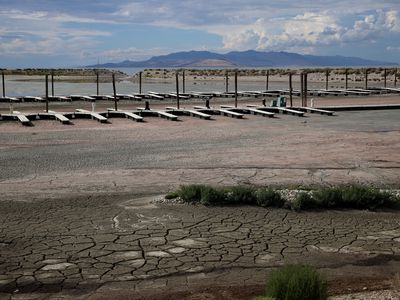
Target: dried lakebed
column 83, row 247
column 72, row 223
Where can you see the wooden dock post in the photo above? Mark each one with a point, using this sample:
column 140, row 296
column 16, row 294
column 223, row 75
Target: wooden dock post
column 52, row 83
column 347, row 79
column 267, row 82
column 4, row 84
column 302, row 88
column 305, row 89
column 115, row 93
column 226, row 82
column 366, row 79
column 47, row 93
column 97, row 82
column 177, row 89
column 183, row 81
column 236, row 88
column 140, row 83
column 384, row 77
column 290, row 90
column 326, row 79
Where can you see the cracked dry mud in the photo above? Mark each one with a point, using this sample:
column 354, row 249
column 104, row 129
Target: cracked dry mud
column 84, row 246
column 73, row 223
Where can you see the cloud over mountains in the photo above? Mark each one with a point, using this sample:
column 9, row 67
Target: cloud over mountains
column 82, row 31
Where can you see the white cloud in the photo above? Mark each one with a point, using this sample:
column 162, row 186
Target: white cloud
column 42, row 33
column 303, row 25
column 310, row 30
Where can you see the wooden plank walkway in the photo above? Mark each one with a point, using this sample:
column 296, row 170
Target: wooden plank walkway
column 32, row 99
column 315, row 110
column 155, row 95
column 225, row 112
column 282, row 110
column 160, row 113
column 102, row 97
column 190, row 112
column 58, row 116
column 16, row 115
column 9, row 99
column 127, row 114
column 81, row 98
column 253, row 111
column 93, row 115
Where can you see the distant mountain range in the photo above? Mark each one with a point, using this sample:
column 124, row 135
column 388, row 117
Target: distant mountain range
column 249, row 58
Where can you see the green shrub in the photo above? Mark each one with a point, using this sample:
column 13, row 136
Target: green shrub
column 304, row 201
column 355, row 196
column 191, row 193
column 241, row 195
column 362, row 197
column 296, row 282
column 269, row 197
column 328, row 197
column 212, row 196
column 172, row 195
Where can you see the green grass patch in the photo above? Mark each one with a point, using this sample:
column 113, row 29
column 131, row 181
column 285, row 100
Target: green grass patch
column 296, row 282
column 267, row 197
column 342, row 197
column 355, row 197
column 304, row 201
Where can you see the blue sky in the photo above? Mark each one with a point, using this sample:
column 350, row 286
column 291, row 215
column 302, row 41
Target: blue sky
column 52, row 33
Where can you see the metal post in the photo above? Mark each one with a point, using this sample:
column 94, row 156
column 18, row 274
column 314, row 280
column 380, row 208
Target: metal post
column 267, row 83
column 384, row 78
column 47, row 93
column 226, row 82
column 366, row 79
column 347, row 78
column 140, row 82
column 302, row 89
column 183, row 81
column 97, row 82
column 290, row 90
column 52, row 83
column 115, row 93
column 236, row 90
column 305, row 89
column 327, row 80
column 177, row 89
column 4, row 85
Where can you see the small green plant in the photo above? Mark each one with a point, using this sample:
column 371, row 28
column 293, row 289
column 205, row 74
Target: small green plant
column 328, row 197
column 296, row 282
column 269, row 197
